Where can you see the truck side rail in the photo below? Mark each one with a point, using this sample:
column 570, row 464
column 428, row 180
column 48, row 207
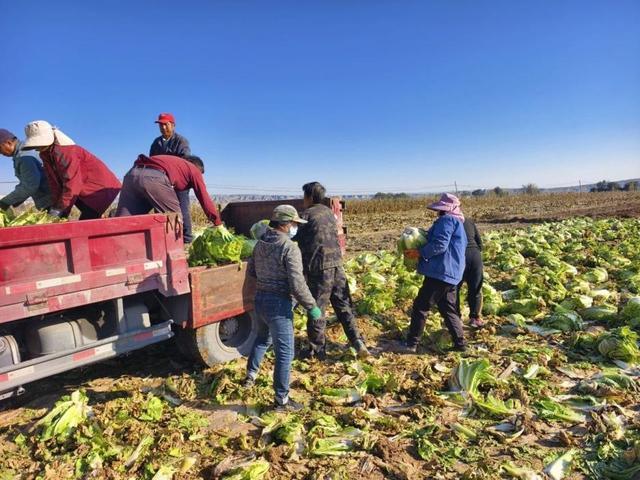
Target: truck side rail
column 49, row 268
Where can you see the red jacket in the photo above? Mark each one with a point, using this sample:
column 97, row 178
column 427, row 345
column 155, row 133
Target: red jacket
column 183, row 175
column 74, row 174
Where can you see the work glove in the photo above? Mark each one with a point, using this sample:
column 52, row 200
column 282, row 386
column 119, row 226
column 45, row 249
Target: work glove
column 54, row 212
column 315, row 313
column 226, row 235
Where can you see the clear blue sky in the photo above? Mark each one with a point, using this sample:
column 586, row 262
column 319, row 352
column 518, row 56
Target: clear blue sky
column 361, row 95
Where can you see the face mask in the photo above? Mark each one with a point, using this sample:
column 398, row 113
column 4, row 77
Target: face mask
column 292, row 231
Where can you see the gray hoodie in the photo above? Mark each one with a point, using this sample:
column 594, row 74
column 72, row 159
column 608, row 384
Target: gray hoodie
column 277, row 265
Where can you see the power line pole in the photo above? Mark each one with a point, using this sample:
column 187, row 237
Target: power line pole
column 456, row 185
column 580, row 186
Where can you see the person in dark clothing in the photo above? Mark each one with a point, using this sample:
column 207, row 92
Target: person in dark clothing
column 473, row 274
column 322, row 261
column 442, row 264
column 32, row 181
column 172, row 143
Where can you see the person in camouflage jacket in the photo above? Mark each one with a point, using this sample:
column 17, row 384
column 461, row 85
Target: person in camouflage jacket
column 322, row 262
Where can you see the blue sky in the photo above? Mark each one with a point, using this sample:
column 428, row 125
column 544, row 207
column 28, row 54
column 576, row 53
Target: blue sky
column 361, row 95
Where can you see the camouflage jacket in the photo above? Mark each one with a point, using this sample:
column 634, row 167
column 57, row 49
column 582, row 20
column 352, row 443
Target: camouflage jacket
column 318, row 240
column 277, row 266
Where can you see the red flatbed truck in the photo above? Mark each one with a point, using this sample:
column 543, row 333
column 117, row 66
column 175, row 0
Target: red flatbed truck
column 79, row 292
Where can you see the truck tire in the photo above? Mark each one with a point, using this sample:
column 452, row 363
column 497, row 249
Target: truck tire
column 219, row 342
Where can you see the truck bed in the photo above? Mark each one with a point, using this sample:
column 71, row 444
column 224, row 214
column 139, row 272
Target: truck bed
column 48, row 268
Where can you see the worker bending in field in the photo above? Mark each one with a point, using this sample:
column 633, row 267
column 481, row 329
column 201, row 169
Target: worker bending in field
column 442, row 264
column 322, row 261
column 76, row 177
column 172, row 143
column 276, row 264
column 473, row 274
column 32, row 181
column 153, row 183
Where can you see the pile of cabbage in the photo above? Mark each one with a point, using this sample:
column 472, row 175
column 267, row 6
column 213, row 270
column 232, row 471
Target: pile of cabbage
column 9, row 218
column 212, row 247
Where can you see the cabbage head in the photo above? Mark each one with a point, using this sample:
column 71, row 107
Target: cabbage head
column 211, row 248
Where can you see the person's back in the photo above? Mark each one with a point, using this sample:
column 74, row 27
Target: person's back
column 74, row 172
column 473, row 236
column 443, row 257
column 269, row 256
column 318, row 239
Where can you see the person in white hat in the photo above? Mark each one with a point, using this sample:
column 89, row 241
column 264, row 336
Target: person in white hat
column 76, row 177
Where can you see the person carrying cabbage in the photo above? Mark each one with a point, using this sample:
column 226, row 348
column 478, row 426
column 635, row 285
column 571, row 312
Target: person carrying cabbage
column 442, row 262
column 473, row 274
column 276, row 263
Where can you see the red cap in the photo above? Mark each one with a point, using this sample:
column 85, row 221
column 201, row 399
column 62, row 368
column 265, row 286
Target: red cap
column 165, row 118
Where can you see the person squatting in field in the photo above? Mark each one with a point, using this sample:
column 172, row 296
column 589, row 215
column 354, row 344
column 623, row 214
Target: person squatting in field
column 32, row 181
column 322, row 261
column 473, row 274
column 276, row 263
column 76, row 177
column 153, row 183
column 171, row 142
column 442, row 262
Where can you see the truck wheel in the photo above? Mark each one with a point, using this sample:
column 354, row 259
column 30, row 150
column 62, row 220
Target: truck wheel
column 221, row 341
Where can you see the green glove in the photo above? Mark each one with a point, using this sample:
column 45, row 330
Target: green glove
column 315, row 313
column 226, row 235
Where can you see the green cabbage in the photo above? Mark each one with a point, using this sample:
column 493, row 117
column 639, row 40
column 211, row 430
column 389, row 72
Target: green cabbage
column 211, row 248
column 596, row 275
column 601, row 313
column 619, row 344
column 552, row 410
column 412, row 239
column 258, row 229
column 565, row 321
column 65, row 416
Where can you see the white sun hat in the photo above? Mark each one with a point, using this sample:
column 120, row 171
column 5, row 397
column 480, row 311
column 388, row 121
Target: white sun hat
column 41, row 134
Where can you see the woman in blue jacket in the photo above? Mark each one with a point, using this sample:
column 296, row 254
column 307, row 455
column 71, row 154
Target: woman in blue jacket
column 442, row 262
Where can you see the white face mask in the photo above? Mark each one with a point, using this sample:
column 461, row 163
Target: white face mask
column 292, row 231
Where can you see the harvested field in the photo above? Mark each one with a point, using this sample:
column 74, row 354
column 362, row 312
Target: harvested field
column 548, row 388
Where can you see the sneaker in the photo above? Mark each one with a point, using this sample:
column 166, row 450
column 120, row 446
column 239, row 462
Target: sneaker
column 362, row 351
column 248, row 382
column 290, row 406
column 476, row 322
column 404, row 347
column 461, row 347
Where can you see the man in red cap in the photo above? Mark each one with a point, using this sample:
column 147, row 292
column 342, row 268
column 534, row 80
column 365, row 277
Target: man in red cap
column 172, row 143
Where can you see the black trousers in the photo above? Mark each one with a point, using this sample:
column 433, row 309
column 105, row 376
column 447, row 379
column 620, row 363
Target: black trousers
column 436, row 292
column 473, row 277
column 330, row 287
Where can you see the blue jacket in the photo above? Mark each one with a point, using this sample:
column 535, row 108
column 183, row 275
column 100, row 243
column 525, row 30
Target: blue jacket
column 442, row 257
column 32, row 181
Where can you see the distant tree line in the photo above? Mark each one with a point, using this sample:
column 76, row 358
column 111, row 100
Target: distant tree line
column 605, row 186
column 394, row 196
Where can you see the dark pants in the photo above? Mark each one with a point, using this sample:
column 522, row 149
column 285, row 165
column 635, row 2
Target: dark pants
column 473, row 277
column 86, row 213
column 183, row 198
column 436, row 292
column 145, row 189
column 330, row 286
column 275, row 327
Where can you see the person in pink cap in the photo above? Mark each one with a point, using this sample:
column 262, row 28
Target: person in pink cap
column 442, row 262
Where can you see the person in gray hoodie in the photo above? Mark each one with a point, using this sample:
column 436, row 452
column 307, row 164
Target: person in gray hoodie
column 276, row 264
column 32, row 181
